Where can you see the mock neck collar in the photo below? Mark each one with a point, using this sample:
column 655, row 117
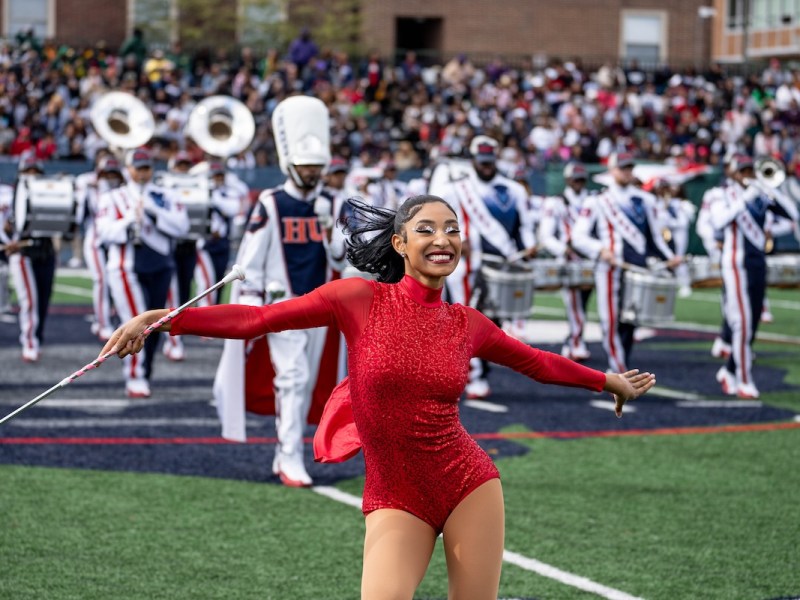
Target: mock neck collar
column 421, row 293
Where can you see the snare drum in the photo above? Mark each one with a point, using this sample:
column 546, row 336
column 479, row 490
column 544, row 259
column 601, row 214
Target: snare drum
column 193, row 192
column 548, row 273
column 704, row 272
column 45, row 205
column 579, row 274
column 509, row 289
column 783, row 270
column 647, row 299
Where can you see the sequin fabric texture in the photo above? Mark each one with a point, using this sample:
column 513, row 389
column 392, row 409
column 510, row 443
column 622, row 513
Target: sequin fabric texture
column 405, row 383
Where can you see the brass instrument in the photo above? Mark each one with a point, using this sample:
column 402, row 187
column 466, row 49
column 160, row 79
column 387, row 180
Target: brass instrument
column 221, row 125
column 125, row 122
column 770, row 172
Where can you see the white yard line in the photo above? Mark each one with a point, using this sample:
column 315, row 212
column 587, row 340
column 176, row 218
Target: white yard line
column 719, row 404
column 715, row 298
column 677, row 394
column 518, row 560
column 608, row 405
column 72, row 290
column 487, row 406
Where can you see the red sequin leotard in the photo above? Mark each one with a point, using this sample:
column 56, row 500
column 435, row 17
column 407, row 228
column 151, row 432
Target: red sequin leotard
column 408, row 358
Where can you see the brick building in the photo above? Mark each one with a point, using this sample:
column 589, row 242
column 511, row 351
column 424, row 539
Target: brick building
column 651, row 31
column 753, row 30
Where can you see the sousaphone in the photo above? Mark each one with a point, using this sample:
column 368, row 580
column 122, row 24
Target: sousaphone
column 122, row 120
column 221, row 125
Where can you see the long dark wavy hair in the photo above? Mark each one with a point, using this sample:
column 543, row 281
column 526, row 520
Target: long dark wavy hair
column 369, row 230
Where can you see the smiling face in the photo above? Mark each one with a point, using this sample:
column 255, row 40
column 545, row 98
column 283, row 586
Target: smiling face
column 431, row 242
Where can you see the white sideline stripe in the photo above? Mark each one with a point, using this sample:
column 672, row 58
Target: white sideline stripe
column 523, row 562
column 576, row 581
column 720, row 404
column 77, row 423
column 608, row 405
column 72, row 290
column 487, row 406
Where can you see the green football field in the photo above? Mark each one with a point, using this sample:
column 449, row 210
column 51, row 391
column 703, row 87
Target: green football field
column 694, row 512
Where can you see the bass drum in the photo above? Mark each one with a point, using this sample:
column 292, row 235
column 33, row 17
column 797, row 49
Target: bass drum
column 45, row 206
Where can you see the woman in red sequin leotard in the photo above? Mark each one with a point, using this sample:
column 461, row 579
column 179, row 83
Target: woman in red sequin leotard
column 408, row 357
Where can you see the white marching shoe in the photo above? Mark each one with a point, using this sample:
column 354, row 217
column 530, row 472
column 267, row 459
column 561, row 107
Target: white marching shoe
column 137, row 388
column 720, row 348
column 30, row 355
column 747, row 391
column 173, row 350
column 727, row 381
column 291, row 469
column 577, row 353
column 478, row 389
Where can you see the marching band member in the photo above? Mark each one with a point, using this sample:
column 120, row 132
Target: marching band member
column 742, row 216
column 712, row 242
column 185, row 252
column 678, row 218
column 139, row 223
column 555, row 232
column 6, row 236
column 106, row 176
column 32, row 262
column 629, row 229
column 495, row 211
column 213, row 252
column 284, row 254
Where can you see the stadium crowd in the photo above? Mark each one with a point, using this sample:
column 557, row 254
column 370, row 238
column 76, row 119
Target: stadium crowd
column 409, row 112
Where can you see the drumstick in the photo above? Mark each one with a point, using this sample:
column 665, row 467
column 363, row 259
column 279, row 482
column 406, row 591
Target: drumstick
column 20, row 244
column 236, row 273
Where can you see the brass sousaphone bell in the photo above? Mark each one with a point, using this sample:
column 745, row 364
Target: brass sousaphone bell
column 221, row 125
column 123, row 121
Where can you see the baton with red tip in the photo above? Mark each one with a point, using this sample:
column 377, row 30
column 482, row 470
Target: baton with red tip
column 236, row 273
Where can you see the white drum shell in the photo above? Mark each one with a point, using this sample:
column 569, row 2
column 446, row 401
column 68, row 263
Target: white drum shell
column 579, row 274
column 548, row 273
column 704, row 272
column 509, row 289
column 783, row 270
column 647, row 299
column 45, row 206
column 193, row 192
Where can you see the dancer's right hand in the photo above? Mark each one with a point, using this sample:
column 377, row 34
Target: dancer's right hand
column 129, row 338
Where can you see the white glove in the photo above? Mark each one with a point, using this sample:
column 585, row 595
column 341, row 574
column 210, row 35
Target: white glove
column 323, row 209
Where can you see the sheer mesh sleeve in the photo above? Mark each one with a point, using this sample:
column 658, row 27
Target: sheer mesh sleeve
column 345, row 303
column 491, row 343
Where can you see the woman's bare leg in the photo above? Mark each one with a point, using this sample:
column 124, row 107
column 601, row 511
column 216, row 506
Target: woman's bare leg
column 397, row 549
column 473, row 544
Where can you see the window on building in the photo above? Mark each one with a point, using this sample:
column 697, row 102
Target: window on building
column 259, row 22
column 24, row 15
column 156, row 18
column 735, row 14
column 643, row 37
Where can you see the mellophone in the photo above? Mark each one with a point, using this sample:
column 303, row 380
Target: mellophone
column 647, row 298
